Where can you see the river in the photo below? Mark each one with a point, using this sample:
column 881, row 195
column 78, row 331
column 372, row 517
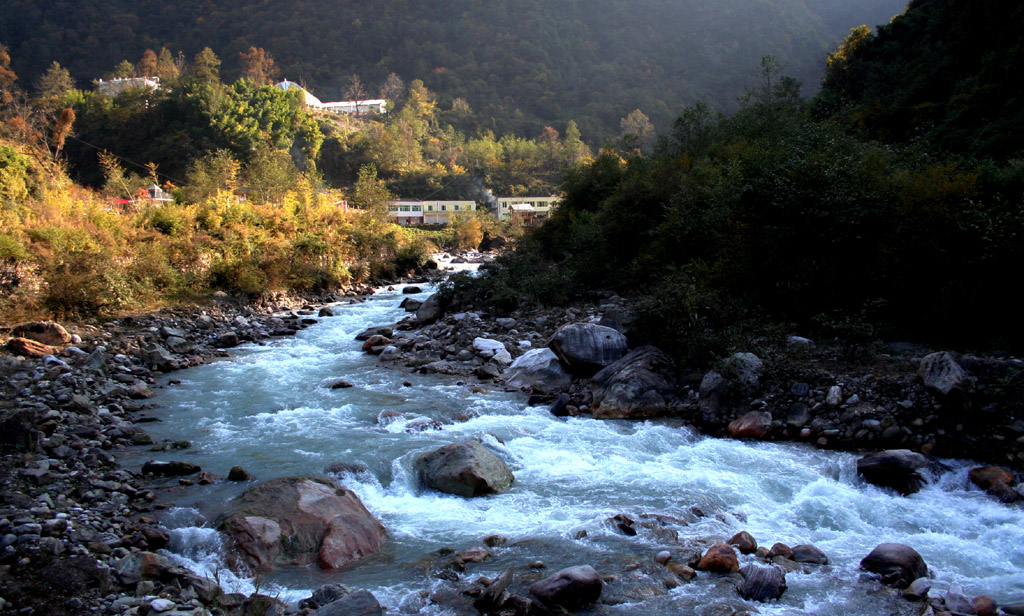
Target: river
column 268, row 409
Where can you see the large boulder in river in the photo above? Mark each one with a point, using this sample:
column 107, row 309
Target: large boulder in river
column 894, row 468
column 585, row 348
column 465, row 469
column 762, row 583
column 571, row 588
column 47, row 332
column 898, row 564
column 299, row 521
column 539, row 370
column 635, row 386
column 720, row 558
column 995, row 480
column 431, row 311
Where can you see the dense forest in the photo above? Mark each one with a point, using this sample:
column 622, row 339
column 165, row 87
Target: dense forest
column 891, row 205
column 518, row 65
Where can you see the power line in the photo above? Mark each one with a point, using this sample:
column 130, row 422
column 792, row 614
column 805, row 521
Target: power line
column 130, row 162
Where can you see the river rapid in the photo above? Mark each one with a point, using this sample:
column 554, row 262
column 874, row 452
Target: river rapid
column 268, row 409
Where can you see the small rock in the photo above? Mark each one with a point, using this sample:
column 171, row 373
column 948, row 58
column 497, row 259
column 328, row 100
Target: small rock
column 571, row 588
column 762, row 583
column 744, row 542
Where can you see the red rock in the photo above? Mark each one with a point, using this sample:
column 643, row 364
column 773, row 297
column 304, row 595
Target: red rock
column 375, row 341
column 744, row 542
column 985, row 476
column 47, row 332
column 754, row 424
column 781, row 549
column 720, row 558
column 985, row 606
column 30, row 348
column 682, row 571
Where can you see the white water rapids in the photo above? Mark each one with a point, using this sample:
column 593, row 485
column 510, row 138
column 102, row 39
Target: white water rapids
column 268, row 409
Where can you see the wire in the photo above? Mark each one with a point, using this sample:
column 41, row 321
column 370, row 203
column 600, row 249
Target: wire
column 130, row 162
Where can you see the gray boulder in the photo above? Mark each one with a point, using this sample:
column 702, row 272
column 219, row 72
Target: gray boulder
column 355, row 603
column 898, row 564
column 465, row 469
column 586, row 348
column 809, row 554
column 299, row 521
column 713, row 398
column 744, row 369
column 762, row 583
column 894, row 468
column 158, row 358
column 379, row 330
column 571, row 588
column 944, row 379
column 635, row 386
column 539, row 370
column 431, row 311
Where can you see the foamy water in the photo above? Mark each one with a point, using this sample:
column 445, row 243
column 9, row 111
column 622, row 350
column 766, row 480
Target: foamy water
column 268, row 409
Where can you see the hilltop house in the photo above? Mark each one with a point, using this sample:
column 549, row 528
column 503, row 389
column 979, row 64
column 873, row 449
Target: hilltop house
column 113, row 87
column 528, row 210
column 377, row 105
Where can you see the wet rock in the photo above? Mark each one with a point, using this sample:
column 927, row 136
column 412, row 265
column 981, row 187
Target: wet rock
column 326, row 311
column 894, row 468
column 493, row 350
column 720, row 558
column 158, row 358
column 227, row 340
column 586, row 348
column 984, row 606
column 169, row 469
column 834, row 396
column 635, row 386
column 30, row 348
column 355, row 603
column 410, row 304
column 539, row 370
column 683, row 572
column 46, row 332
column 761, row 583
column 898, row 564
column 571, row 588
column 754, row 424
column 465, row 469
column 781, row 549
column 956, row 601
column 375, row 341
column 995, row 480
column 809, row 554
column 411, row 290
column 298, row 521
column 713, row 398
column 798, row 415
column 744, row 542
column 494, row 595
column 179, row 345
column 340, row 384
column 918, row 589
column 380, row 330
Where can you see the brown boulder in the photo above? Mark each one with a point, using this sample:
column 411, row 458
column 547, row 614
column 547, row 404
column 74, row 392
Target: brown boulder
column 898, row 564
column 47, row 332
column 298, row 521
column 744, row 542
column 720, row 558
column 375, row 340
column 571, row 588
column 995, row 480
column 754, row 424
column 30, row 348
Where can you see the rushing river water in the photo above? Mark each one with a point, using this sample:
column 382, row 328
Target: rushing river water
column 268, row 409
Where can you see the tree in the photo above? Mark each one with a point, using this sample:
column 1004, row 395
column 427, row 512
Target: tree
column 393, row 90
column 167, row 68
column 258, row 65
column 839, row 59
column 55, row 82
column 637, row 132
column 148, row 64
column 62, row 129
column 575, row 150
column 7, row 77
column 370, row 194
column 355, row 91
column 124, row 70
column 206, row 67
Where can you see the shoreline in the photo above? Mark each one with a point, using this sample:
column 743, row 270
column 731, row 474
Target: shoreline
column 91, row 516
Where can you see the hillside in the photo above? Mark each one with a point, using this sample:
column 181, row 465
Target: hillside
column 520, row 65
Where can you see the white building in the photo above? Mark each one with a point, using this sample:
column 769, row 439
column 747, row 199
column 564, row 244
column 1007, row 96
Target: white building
column 408, row 212
column 530, row 210
column 113, row 87
column 378, row 105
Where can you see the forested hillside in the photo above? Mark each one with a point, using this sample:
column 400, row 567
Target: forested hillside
column 521, row 65
column 945, row 72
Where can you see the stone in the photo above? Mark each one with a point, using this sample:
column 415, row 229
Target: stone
column 381, row 330
column 713, row 395
column 809, row 554
column 47, row 332
column 898, row 564
column 984, row 606
column 410, row 304
column 663, row 557
column 995, row 480
column 464, row 469
column 744, row 542
column 375, row 340
column 944, row 379
column 893, row 468
column 494, row 595
column 720, row 558
column 340, row 384
column 538, row 370
column 781, row 549
column 169, row 469
column 179, row 345
column 683, row 572
column 918, row 589
column 237, row 473
column 956, row 601
column 411, row 290
column 761, row 583
column 158, row 358
column 227, row 340
column 571, row 588
column 636, row 386
column 586, row 348
column 161, row 605
column 30, row 348
column 431, row 311
column 744, row 369
column 326, row 311
column 492, row 349
column 355, row 603
column 754, row 424
column 798, row 415
column 834, row 396
column 298, row 521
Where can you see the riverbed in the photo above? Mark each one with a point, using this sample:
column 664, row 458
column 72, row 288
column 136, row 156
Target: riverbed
column 269, row 409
